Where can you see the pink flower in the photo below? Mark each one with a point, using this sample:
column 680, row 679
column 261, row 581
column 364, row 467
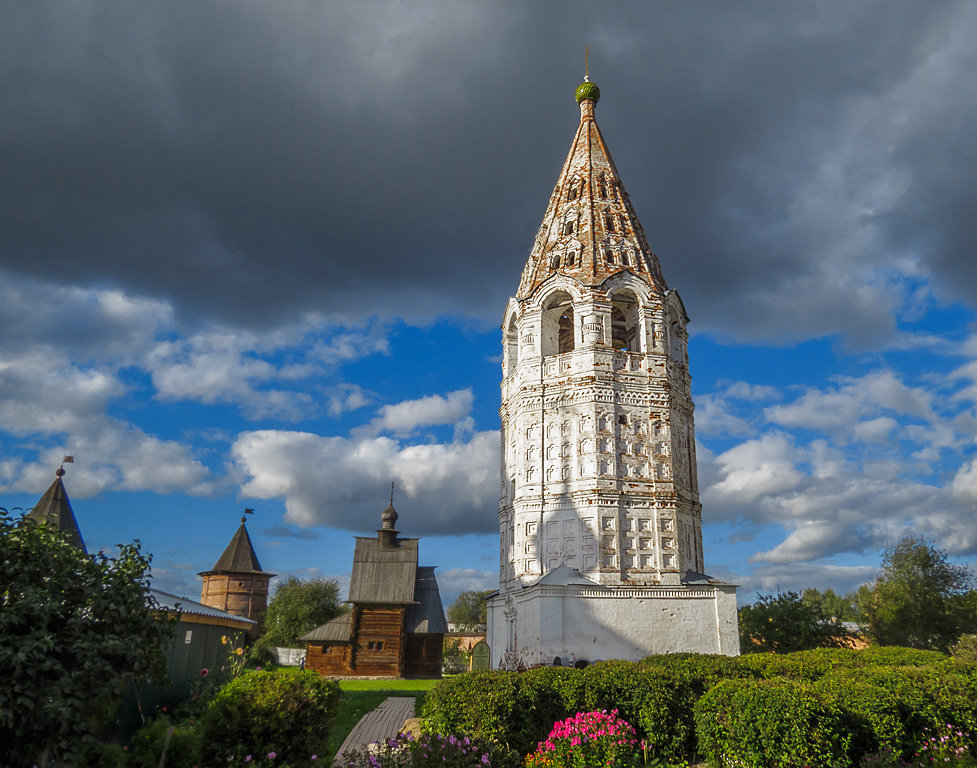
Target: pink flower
column 271, row 755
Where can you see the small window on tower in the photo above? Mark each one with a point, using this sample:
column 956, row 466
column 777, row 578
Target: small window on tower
column 602, row 187
column 375, row 645
column 609, row 222
column 572, row 192
column 568, row 228
column 571, row 258
column 556, row 261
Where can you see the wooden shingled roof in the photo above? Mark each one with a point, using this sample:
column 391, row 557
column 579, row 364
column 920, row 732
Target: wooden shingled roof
column 239, row 557
column 426, row 615
column 336, row 630
column 54, row 509
column 383, row 574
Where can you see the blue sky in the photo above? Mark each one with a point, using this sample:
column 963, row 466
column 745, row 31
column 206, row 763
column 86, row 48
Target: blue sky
column 256, row 256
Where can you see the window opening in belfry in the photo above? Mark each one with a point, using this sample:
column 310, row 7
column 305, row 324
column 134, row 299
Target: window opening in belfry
column 608, row 255
column 511, row 346
column 609, row 222
column 566, row 331
column 556, row 261
column 602, row 187
column 558, row 332
column 571, row 258
column 572, row 192
column 568, row 228
column 676, row 342
column 624, row 322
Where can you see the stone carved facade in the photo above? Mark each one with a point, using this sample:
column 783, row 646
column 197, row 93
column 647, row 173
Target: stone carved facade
column 598, row 440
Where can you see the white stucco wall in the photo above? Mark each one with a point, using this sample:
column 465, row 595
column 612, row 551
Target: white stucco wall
column 574, row 623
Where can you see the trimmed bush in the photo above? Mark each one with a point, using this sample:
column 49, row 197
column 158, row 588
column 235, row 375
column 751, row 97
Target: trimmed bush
column 700, row 671
column 147, row 745
column 893, row 656
column 544, row 696
column 263, row 712
column 656, row 697
column 871, row 715
column 929, row 698
column 773, row 723
column 477, row 704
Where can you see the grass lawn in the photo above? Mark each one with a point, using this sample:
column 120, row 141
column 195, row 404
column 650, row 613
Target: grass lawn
column 362, row 696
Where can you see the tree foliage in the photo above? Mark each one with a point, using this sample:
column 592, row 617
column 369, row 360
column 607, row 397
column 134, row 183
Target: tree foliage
column 469, row 609
column 920, row 599
column 74, row 628
column 834, row 606
column 299, row 606
column 785, row 622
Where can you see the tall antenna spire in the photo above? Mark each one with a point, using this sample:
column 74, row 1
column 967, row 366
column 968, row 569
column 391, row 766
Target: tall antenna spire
column 391, row 493
column 586, row 65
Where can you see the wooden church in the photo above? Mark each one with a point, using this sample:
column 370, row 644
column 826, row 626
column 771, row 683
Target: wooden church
column 395, row 626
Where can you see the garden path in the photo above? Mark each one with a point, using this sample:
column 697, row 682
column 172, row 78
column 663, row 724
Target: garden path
column 381, row 724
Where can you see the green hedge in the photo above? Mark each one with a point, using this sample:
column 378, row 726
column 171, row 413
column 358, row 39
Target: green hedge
column 262, row 712
column 833, row 706
column 773, row 723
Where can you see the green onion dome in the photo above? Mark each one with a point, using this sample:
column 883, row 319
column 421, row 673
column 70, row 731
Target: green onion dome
column 587, row 90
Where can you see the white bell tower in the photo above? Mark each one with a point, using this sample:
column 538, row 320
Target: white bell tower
column 599, row 498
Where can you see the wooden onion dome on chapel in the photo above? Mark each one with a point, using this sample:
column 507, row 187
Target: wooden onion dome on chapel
column 236, row 583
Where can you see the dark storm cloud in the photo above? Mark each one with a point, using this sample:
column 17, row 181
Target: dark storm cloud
column 791, row 162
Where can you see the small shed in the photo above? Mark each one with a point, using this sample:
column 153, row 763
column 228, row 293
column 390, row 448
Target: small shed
column 395, row 626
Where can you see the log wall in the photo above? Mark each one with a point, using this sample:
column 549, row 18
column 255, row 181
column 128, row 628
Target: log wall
column 372, row 626
column 328, row 658
column 423, row 655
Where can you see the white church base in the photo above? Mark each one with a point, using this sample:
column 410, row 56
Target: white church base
column 541, row 623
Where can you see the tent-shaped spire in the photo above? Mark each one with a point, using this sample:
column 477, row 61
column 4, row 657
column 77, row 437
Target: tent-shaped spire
column 590, row 230
column 54, row 509
column 239, row 557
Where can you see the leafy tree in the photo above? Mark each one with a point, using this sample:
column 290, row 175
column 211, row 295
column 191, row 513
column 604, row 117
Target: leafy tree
column 469, row 609
column 74, row 628
column 299, row 606
column 784, row 623
column 834, row 606
column 920, row 599
column 454, row 658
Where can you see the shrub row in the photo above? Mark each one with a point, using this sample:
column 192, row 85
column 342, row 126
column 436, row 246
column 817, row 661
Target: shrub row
column 258, row 718
column 828, row 707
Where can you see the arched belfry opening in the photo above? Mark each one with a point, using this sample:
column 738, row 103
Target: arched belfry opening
column 558, row 332
column 624, row 322
column 676, row 336
column 511, row 335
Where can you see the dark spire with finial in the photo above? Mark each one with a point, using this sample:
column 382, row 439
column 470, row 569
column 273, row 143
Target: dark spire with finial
column 239, row 557
column 54, row 508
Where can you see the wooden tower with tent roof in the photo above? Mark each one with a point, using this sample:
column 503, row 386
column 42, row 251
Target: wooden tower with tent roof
column 54, row 509
column 236, row 583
